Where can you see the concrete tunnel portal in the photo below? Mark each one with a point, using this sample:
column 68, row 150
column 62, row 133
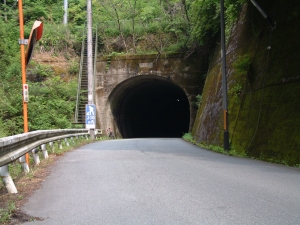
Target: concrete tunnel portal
column 150, row 106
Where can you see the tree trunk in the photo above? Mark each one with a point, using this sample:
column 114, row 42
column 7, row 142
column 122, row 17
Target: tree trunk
column 186, row 11
column 133, row 25
column 5, row 16
column 119, row 26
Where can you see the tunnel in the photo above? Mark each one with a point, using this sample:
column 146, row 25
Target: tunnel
column 150, row 106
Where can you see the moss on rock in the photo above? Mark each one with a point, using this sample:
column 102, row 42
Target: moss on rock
column 263, row 99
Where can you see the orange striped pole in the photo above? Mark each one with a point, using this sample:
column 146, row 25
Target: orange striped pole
column 22, row 44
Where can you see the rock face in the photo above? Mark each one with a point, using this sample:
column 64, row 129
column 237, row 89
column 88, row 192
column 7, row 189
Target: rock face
column 119, row 77
column 263, row 86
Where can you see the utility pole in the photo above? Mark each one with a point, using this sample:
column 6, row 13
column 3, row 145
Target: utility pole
column 224, row 80
column 66, row 12
column 90, row 61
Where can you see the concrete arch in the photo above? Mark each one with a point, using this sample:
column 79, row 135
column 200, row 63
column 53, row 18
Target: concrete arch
column 149, row 106
column 127, row 81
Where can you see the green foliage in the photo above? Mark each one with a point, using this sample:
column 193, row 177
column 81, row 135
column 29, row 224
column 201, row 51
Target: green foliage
column 232, row 10
column 177, row 47
column 205, row 16
column 73, row 68
column 47, row 100
column 198, row 100
column 33, row 11
column 190, row 21
column 10, row 107
column 236, row 91
column 6, row 213
column 241, row 69
column 52, row 104
column 57, row 38
column 242, row 65
column 188, row 137
column 2, row 130
column 39, row 70
column 215, row 148
column 10, row 66
column 172, row 24
column 77, row 12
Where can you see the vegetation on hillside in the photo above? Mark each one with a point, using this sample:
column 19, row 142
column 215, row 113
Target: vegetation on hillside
column 134, row 26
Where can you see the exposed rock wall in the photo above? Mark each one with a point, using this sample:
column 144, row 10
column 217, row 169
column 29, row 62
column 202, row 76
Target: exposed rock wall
column 263, row 86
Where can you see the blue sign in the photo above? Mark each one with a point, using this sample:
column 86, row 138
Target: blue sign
column 90, row 116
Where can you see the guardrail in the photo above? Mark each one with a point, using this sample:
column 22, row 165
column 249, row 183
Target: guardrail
column 16, row 146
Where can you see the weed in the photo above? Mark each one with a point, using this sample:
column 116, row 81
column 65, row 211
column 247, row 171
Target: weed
column 242, row 64
column 15, row 170
column 107, row 64
column 236, row 92
column 198, row 101
column 215, row 148
column 5, row 214
column 188, row 137
column 73, row 68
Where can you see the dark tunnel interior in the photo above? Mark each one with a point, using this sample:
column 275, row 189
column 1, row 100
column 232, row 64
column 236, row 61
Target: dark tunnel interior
column 152, row 108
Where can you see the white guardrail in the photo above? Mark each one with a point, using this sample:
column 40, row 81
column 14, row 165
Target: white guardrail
column 16, row 146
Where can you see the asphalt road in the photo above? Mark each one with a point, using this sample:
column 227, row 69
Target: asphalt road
column 164, row 181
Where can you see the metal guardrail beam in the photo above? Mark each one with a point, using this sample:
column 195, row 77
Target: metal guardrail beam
column 12, row 147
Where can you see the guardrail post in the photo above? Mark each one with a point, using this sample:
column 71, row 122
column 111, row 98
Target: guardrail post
column 36, row 157
column 7, row 180
column 52, row 146
column 24, row 164
column 45, row 153
column 67, row 143
column 60, row 144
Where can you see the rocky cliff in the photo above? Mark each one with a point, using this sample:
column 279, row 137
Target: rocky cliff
column 263, row 74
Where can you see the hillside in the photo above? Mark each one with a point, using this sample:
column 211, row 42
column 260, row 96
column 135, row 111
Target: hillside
column 263, row 86
column 262, row 64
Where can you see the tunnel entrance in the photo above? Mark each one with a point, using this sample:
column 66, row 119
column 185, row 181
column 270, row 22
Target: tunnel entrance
column 150, row 106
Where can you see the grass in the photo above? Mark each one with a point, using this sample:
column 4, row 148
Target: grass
column 233, row 152
column 215, row 148
column 5, row 214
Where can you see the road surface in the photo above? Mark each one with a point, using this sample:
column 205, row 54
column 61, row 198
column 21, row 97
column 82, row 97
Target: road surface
column 164, row 181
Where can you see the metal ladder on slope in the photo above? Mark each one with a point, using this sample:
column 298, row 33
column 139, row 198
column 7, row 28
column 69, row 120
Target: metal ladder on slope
column 82, row 89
